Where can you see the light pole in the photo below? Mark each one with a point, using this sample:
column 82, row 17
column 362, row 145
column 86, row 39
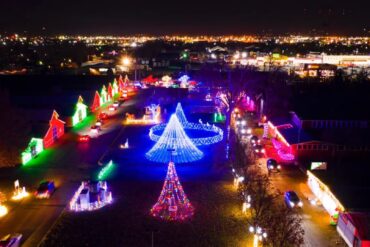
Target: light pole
column 258, row 234
column 127, row 62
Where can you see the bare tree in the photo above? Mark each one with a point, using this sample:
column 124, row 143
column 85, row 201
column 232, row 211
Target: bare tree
column 284, row 228
column 282, row 224
column 258, row 187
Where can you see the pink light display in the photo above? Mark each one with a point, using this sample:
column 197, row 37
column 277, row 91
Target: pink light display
column 285, row 155
column 276, row 143
column 172, row 204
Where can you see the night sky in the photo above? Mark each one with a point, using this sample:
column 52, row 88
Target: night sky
column 185, row 17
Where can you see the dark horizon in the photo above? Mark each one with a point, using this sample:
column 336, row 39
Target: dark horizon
column 113, row 17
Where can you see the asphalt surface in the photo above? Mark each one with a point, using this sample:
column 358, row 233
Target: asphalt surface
column 318, row 231
column 70, row 162
column 67, row 164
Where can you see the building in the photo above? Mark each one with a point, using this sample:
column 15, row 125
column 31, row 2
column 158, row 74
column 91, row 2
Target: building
column 323, row 126
column 44, row 132
column 341, row 187
column 55, row 130
column 317, row 70
column 96, row 102
column 79, row 113
column 354, row 228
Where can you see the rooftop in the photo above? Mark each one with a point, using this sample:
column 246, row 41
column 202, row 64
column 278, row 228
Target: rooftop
column 349, row 183
column 362, row 223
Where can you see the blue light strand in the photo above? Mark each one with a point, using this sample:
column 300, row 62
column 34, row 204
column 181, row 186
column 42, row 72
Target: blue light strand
column 193, row 126
column 174, row 137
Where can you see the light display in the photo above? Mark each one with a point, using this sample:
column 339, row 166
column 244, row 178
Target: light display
column 184, row 81
column 174, row 137
column 120, row 83
column 104, row 173
column 285, row 155
column 172, row 204
column 80, row 113
column 167, row 81
column 124, row 146
column 3, row 210
column 35, row 147
column 96, row 102
column 110, row 91
column 216, row 131
column 285, row 152
column 103, row 96
column 222, row 100
column 208, row 97
column 218, row 117
column 152, row 116
column 55, row 130
column 331, row 204
column 115, row 88
column 19, row 192
column 90, row 196
column 180, row 114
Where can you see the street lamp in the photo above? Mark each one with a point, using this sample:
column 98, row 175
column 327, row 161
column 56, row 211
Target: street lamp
column 238, row 180
column 129, row 62
column 259, row 234
column 126, row 61
column 3, row 210
column 247, row 203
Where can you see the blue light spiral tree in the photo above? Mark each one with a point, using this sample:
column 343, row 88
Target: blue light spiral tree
column 174, row 137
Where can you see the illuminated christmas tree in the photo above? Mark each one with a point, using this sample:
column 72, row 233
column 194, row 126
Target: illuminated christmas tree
column 180, row 114
column 172, row 203
column 174, row 137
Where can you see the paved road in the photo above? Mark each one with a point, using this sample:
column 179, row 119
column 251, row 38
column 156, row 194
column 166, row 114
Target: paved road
column 318, row 231
column 67, row 163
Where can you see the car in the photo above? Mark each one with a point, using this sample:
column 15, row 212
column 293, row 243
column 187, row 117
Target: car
column 254, row 140
column 272, row 165
column 83, row 138
column 95, row 129
column 112, row 108
column 11, row 240
column 99, row 122
column 45, row 189
column 103, row 116
column 258, row 149
column 292, row 200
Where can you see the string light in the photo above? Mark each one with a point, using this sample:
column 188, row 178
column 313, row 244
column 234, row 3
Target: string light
column 19, row 192
column 152, row 116
column 172, row 204
column 81, row 200
column 217, row 137
column 174, row 137
column 103, row 174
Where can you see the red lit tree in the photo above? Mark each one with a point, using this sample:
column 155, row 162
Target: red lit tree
column 96, row 103
column 172, row 203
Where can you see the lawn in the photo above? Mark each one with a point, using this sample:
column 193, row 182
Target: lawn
column 217, row 220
